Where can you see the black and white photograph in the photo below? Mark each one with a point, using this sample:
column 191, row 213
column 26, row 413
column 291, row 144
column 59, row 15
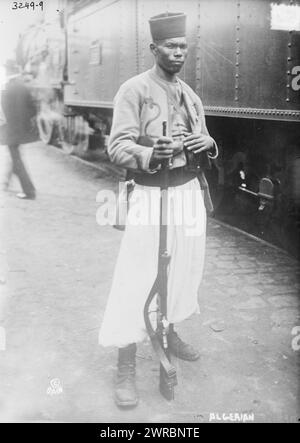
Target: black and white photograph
column 149, row 214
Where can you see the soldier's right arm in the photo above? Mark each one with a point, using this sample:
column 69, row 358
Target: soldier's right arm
column 123, row 147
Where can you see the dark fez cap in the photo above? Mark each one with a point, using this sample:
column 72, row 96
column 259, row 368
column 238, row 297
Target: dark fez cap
column 168, row 25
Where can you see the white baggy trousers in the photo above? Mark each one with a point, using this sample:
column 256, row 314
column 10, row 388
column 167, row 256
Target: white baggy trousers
column 136, row 268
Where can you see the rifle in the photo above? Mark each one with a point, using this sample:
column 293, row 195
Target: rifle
column 158, row 337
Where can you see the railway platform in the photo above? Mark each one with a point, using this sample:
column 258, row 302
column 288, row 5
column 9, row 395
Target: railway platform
column 56, row 269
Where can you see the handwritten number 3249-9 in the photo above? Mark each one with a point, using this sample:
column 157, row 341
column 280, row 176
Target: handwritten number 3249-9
column 27, row 5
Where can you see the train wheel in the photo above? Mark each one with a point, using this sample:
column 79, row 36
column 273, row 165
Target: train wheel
column 45, row 127
column 75, row 135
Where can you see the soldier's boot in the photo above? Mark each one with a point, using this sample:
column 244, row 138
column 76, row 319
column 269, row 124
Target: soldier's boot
column 126, row 395
column 179, row 348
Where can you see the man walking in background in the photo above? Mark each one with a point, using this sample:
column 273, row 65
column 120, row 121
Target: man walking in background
column 18, row 107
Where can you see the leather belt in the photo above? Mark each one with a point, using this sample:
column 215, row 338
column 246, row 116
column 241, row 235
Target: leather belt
column 176, row 177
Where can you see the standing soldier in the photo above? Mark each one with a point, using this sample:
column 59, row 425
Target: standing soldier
column 19, row 108
column 142, row 104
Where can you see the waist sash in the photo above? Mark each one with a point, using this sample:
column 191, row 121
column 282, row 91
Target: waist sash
column 176, row 177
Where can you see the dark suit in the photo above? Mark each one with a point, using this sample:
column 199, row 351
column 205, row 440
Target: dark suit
column 18, row 107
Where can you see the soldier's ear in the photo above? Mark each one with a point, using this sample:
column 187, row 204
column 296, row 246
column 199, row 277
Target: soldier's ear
column 153, row 48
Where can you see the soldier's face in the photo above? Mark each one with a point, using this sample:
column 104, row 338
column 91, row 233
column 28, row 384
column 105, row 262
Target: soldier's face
column 170, row 54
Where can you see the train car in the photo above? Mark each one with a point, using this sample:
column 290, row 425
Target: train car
column 244, row 62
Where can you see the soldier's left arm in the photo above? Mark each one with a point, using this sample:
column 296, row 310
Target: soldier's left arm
column 203, row 141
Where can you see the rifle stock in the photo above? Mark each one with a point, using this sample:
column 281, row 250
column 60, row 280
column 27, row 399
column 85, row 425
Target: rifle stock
column 167, row 372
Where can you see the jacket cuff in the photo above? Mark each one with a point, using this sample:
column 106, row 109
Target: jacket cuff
column 154, row 170
column 214, row 153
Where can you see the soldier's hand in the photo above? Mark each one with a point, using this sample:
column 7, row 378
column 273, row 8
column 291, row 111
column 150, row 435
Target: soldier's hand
column 162, row 150
column 198, row 143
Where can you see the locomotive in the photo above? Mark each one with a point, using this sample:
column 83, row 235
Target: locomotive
column 244, row 62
